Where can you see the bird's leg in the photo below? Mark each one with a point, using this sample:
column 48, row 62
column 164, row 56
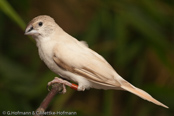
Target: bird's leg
column 64, row 82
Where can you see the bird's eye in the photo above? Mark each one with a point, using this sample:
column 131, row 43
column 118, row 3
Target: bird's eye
column 40, row 24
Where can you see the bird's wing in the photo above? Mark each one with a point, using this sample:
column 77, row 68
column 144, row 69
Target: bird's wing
column 82, row 61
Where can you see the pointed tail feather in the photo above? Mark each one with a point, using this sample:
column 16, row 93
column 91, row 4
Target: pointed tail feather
column 128, row 87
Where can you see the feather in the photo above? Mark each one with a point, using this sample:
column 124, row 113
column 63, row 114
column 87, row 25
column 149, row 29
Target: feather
column 144, row 95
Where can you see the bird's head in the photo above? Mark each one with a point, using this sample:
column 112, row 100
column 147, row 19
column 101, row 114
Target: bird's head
column 40, row 26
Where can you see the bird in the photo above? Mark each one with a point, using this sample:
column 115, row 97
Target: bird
column 74, row 61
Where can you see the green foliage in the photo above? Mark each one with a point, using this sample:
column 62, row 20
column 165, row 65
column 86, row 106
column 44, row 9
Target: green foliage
column 8, row 10
column 136, row 38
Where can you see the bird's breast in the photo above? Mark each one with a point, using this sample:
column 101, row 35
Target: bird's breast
column 45, row 50
column 46, row 55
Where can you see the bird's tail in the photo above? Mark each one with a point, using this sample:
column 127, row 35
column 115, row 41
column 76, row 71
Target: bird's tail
column 128, row 87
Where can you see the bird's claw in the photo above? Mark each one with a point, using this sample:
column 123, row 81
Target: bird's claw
column 63, row 89
column 57, row 80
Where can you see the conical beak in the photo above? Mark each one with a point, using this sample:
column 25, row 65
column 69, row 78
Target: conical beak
column 30, row 30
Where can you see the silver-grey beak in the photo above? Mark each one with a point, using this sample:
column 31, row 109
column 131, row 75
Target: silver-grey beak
column 30, row 30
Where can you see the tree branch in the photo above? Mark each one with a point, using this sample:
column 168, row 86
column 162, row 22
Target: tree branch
column 55, row 89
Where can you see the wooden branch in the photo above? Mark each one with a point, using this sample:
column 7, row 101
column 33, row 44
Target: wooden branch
column 56, row 88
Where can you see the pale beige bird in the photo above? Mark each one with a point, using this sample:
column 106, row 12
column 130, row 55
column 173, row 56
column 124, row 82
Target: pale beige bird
column 73, row 60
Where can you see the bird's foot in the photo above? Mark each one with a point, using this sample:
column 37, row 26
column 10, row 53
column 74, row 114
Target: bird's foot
column 64, row 82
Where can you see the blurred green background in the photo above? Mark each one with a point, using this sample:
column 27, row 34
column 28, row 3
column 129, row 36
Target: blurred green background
column 135, row 37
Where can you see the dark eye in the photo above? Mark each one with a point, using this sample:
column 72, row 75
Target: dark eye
column 40, row 24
